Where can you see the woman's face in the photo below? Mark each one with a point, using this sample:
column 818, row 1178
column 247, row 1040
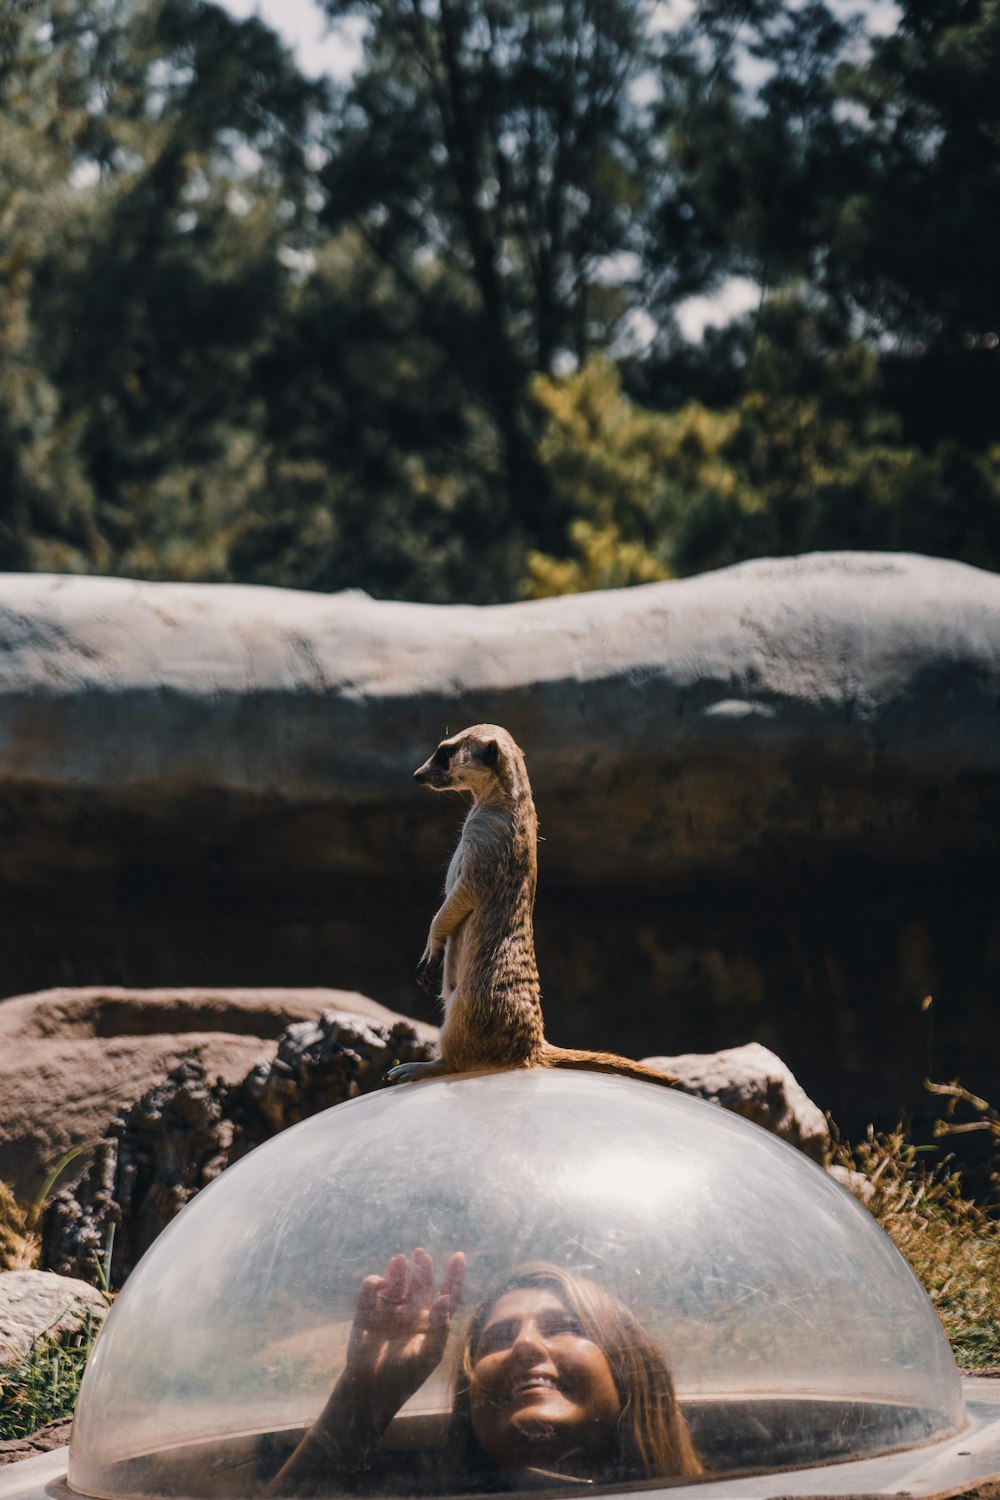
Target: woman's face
column 541, row 1392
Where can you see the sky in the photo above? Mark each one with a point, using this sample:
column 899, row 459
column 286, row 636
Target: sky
column 318, row 50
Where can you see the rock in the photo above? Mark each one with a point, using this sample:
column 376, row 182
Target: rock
column 36, row 1303
column 182, row 1133
column 752, row 1082
column 69, row 1059
column 154, row 1158
column 52, row 1435
column 322, row 1063
column 768, row 797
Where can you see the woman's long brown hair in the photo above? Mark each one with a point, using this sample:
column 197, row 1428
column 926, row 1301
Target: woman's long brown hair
column 652, row 1438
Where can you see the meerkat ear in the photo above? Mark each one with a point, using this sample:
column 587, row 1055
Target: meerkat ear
column 490, row 754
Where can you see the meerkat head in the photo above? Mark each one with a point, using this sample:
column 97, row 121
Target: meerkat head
column 471, row 761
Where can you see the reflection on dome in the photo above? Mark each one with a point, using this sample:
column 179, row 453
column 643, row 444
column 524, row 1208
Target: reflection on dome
column 793, row 1330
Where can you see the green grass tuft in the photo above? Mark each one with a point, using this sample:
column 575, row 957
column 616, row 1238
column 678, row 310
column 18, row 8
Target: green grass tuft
column 42, row 1385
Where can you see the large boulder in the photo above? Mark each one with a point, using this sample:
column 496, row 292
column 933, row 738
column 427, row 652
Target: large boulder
column 769, row 799
column 754, row 1083
column 70, row 1059
column 37, row 1305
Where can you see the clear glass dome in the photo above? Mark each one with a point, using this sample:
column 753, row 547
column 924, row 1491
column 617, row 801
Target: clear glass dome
column 793, row 1329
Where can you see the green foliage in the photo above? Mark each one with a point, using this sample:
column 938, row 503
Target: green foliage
column 621, row 474
column 154, row 308
column 46, row 500
column 818, row 464
column 43, row 1384
column 378, row 466
column 926, row 217
column 507, row 146
column 766, row 164
column 870, row 167
column 804, row 460
column 201, row 381
column 506, row 143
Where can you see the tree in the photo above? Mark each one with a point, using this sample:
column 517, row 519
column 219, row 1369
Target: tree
column 506, row 144
column 170, row 277
column 927, row 223
column 380, row 472
column 244, row 394
column 867, row 168
column 46, row 503
column 765, row 167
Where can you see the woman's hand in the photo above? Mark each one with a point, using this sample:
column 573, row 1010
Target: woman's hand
column 400, row 1330
column 397, row 1338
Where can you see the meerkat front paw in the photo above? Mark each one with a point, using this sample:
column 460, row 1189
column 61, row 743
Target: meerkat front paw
column 407, row 1072
column 429, row 971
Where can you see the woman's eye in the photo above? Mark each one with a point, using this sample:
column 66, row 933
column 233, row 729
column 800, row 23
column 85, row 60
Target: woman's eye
column 560, row 1323
column 497, row 1336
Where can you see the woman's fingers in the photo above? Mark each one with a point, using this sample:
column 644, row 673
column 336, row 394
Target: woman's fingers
column 443, row 1308
column 393, row 1305
column 438, row 1323
column 422, row 1286
column 378, row 1299
column 397, row 1276
column 366, row 1318
column 454, row 1278
column 368, row 1296
column 422, row 1281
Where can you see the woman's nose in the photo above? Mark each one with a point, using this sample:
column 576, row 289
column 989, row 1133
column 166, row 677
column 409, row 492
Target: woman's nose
column 528, row 1339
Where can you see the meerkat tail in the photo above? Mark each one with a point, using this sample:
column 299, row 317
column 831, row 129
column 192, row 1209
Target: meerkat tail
column 601, row 1062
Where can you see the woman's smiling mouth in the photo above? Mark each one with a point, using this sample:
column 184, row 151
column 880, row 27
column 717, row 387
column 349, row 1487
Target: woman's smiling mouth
column 537, row 1383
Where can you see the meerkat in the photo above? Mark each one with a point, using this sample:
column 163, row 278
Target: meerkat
column 481, row 944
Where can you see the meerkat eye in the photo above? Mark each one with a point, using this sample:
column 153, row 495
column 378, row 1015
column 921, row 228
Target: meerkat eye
column 442, row 757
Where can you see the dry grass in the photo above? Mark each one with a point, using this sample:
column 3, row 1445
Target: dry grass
column 19, row 1243
column 952, row 1243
